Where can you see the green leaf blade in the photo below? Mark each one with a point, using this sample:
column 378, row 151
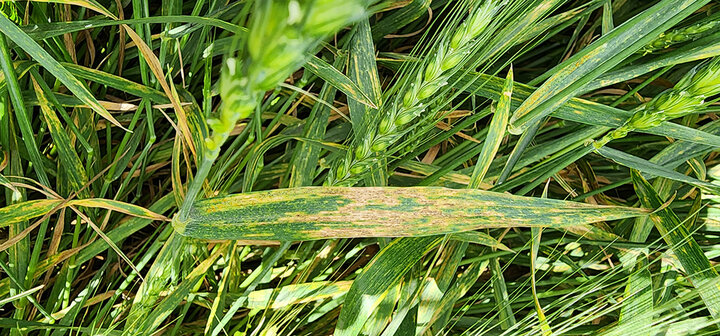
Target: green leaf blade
column 697, row 266
column 385, row 271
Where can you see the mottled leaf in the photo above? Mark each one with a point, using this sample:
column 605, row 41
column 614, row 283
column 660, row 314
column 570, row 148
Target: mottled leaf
column 337, row 212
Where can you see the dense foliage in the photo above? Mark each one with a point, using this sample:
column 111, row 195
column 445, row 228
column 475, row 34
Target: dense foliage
column 359, row 167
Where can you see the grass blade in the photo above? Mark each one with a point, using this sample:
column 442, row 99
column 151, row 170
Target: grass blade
column 337, row 79
column 39, row 54
column 68, row 156
column 477, row 237
column 382, row 274
column 122, row 207
column 495, row 135
column 696, row 265
column 652, row 169
column 582, row 110
column 25, row 210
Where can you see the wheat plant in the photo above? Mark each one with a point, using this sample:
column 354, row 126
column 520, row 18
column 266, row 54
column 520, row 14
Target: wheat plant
column 357, row 167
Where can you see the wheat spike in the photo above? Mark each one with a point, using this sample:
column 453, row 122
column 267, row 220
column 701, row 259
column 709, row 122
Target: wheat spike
column 685, row 98
column 452, row 52
column 680, row 35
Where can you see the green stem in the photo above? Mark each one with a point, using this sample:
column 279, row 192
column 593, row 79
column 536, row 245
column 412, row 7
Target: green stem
column 641, row 86
column 196, row 184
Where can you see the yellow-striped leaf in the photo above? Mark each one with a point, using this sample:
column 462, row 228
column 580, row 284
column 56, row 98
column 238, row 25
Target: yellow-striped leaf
column 337, row 212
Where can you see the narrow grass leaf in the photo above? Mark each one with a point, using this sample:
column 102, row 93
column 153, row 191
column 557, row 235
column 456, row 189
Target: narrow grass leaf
column 20, row 111
column 31, row 325
column 535, row 244
column 638, row 299
column 122, row 207
column 652, row 169
column 52, row 29
column 696, row 265
column 337, row 79
column 679, row 56
column 26, row 210
column 20, row 295
column 21, row 68
column 117, row 82
column 272, row 298
column 502, row 298
column 124, row 230
column 581, row 110
column 39, row 54
column 495, row 135
column 607, row 17
column 480, row 238
column 5, row 182
column 680, row 151
column 398, row 19
column 425, row 169
column 68, row 156
column 534, row 248
column 363, row 70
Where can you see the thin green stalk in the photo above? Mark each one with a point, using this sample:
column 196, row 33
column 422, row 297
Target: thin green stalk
column 640, row 87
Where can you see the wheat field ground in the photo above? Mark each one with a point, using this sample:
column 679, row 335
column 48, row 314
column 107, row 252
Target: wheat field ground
column 359, row 167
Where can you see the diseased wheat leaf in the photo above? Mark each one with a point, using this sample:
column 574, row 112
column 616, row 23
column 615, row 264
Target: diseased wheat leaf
column 122, row 207
column 25, row 210
column 68, row 156
column 337, row 212
column 338, row 80
column 35, row 208
column 495, row 135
